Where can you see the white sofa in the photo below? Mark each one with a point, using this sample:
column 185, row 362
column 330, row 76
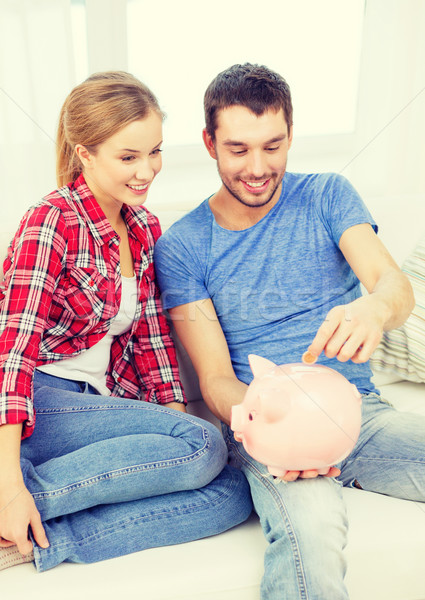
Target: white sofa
column 386, row 547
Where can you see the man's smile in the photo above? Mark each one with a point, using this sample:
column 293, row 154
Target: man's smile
column 256, row 187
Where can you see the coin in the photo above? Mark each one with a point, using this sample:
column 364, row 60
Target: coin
column 309, row 358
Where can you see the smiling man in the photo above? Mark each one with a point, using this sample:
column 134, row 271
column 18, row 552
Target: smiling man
column 244, row 153
column 271, row 264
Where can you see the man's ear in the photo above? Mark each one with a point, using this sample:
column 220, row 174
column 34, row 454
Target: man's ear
column 84, row 155
column 209, row 144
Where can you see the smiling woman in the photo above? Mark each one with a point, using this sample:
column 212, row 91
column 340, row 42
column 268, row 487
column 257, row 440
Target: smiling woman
column 84, row 343
column 120, row 170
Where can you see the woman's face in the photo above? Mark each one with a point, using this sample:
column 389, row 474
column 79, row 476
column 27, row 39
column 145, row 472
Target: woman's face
column 124, row 166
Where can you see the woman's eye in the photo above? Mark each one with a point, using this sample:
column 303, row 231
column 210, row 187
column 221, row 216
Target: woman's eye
column 127, row 158
column 157, row 151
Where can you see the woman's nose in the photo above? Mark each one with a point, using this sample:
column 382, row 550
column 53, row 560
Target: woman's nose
column 144, row 171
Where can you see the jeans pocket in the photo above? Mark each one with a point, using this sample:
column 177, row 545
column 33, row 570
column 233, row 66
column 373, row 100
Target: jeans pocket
column 372, row 398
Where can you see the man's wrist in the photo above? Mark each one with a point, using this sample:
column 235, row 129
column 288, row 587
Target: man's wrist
column 382, row 308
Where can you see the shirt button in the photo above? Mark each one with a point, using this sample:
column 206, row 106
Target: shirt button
column 91, row 283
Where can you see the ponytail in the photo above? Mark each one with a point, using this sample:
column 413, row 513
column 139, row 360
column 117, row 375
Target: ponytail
column 68, row 167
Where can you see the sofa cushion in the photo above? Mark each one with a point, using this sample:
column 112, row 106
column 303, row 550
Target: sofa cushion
column 402, row 350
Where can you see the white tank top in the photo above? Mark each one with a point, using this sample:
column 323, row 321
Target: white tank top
column 91, row 365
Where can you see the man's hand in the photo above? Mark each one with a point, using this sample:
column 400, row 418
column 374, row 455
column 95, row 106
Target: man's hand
column 17, row 513
column 311, row 474
column 351, row 331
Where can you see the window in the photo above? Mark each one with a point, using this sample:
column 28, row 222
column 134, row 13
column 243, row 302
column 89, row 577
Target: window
column 178, row 47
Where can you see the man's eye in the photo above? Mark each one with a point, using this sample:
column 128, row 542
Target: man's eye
column 272, row 148
column 238, row 152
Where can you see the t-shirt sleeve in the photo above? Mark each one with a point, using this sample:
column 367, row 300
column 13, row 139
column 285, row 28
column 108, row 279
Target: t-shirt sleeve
column 340, row 206
column 179, row 270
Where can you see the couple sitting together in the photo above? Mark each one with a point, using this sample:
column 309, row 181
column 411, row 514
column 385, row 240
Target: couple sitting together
column 99, row 456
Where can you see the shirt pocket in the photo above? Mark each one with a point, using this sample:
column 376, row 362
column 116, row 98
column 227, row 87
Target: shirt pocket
column 86, row 294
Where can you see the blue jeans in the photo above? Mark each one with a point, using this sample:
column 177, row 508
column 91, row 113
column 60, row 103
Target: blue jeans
column 112, row 476
column 305, row 521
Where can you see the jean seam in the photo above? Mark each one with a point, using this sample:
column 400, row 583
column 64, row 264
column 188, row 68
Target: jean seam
column 108, row 475
column 389, row 459
column 352, row 457
column 174, row 413
column 138, row 406
column 302, row 586
column 221, row 497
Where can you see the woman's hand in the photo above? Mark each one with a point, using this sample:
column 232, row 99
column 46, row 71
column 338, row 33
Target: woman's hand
column 177, row 406
column 17, row 513
column 17, row 507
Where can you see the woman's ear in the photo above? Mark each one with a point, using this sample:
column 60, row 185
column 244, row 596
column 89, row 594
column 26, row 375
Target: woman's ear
column 84, row 155
column 209, row 144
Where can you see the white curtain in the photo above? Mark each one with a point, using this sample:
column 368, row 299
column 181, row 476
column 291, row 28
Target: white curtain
column 36, row 73
column 389, row 157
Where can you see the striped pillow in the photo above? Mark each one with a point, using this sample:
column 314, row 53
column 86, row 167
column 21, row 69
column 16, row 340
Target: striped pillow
column 402, row 350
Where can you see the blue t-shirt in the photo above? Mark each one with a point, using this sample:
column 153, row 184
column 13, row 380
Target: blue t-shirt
column 272, row 284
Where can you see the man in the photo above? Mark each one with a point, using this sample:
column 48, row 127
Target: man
column 270, row 265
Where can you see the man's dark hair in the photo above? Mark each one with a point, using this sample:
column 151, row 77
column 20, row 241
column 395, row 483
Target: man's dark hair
column 256, row 87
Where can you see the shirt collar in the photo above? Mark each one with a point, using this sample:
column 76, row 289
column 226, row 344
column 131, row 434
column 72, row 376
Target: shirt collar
column 90, row 210
column 137, row 222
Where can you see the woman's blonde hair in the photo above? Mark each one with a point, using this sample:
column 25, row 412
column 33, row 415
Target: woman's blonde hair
column 94, row 111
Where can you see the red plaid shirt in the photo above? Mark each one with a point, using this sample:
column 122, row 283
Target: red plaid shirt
column 62, row 288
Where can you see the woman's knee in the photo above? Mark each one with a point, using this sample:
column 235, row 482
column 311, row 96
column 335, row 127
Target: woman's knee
column 214, row 456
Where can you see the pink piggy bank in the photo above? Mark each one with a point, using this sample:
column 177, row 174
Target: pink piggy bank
column 297, row 417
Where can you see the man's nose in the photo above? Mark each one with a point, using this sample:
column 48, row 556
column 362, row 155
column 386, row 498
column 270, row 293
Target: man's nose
column 257, row 164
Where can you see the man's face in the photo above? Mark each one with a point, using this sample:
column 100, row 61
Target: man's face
column 251, row 153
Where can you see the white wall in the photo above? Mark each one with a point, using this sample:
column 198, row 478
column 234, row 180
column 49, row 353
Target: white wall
column 384, row 158
column 388, row 161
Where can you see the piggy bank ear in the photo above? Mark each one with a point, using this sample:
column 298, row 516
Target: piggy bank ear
column 273, row 406
column 259, row 365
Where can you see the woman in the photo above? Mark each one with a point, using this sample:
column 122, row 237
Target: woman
column 82, row 341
